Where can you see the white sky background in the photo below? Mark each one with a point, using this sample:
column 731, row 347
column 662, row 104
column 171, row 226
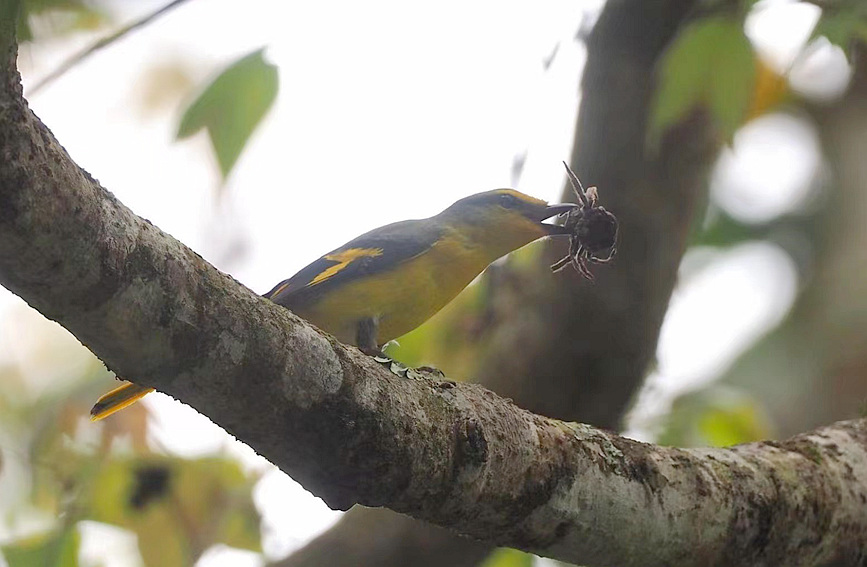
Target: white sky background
column 386, row 111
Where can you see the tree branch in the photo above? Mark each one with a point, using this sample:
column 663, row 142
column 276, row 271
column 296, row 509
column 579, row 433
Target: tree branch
column 351, row 431
column 377, row 536
column 76, row 59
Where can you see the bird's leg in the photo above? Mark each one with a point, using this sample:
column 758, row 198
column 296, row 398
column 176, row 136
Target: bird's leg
column 365, row 337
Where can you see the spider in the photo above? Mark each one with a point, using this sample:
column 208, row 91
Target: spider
column 593, row 230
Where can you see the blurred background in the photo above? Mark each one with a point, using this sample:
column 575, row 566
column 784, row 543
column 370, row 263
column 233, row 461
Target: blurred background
column 728, row 136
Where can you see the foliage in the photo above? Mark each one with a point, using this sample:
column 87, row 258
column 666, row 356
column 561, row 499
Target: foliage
column 56, row 548
column 505, row 557
column 79, row 471
column 176, row 507
column 232, row 106
column 711, row 64
column 59, row 17
column 844, row 24
column 179, row 507
column 715, row 416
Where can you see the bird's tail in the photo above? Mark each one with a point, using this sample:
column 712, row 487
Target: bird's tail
column 118, row 399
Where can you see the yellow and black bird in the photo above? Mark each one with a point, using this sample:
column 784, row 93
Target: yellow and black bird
column 392, row 279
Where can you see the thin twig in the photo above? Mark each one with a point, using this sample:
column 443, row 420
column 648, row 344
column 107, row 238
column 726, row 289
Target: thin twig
column 104, row 42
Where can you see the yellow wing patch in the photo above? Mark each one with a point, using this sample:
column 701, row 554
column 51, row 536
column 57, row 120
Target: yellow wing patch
column 278, row 291
column 343, row 259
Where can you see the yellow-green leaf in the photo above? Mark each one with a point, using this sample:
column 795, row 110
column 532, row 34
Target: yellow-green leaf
column 843, row 24
column 51, row 549
column 232, row 106
column 715, row 416
column 187, row 504
column 59, row 17
column 710, row 64
column 505, row 557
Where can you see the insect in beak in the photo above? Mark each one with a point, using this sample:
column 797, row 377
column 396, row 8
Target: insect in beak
column 592, row 230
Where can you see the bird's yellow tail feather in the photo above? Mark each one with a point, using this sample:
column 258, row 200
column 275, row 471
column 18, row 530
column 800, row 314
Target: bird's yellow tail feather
column 118, row 399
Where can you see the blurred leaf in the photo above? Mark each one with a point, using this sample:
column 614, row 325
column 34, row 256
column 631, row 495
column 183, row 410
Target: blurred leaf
column 843, row 24
column 181, row 507
column 232, row 106
column 162, row 86
column 215, row 492
column 710, row 63
column 51, row 549
column 240, row 528
column 732, row 425
column 721, row 230
column 715, row 416
column 162, row 541
column 65, row 448
column 57, row 17
column 102, row 43
column 124, row 495
column 505, row 557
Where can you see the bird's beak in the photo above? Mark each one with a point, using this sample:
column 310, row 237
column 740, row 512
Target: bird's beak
column 553, row 211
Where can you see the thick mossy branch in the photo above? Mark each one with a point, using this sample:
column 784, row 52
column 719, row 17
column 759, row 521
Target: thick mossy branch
column 351, row 431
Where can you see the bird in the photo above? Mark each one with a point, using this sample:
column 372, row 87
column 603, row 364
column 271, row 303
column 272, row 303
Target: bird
column 388, row 281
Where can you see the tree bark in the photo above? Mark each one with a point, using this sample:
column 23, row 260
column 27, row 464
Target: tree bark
column 351, row 431
column 378, row 536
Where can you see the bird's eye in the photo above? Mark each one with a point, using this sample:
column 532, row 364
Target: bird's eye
column 507, row 200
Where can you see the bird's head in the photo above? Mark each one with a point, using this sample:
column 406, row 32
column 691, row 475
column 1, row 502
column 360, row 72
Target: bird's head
column 503, row 220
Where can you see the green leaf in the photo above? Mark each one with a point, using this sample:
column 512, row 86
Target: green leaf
column 715, row 416
column 66, row 16
column 51, row 549
column 719, row 229
column 844, row 25
column 177, row 507
column 723, row 427
column 232, row 106
column 505, row 557
column 710, row 64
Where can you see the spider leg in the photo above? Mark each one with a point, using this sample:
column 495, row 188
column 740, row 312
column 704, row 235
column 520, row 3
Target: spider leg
column 580, row 264
column 576, row 186
column 606, row 259
column 611, row 253
column 592, row 195
column 561, row 263
column 575, row 247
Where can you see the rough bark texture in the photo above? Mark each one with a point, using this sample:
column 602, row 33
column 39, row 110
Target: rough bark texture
column 456, row 455
column 563, row 347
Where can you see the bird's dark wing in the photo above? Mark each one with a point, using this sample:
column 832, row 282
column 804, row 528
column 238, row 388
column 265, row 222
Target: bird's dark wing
column 373, row 252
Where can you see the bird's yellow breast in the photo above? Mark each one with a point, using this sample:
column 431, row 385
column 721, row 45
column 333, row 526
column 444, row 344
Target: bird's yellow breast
column 403, row 297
